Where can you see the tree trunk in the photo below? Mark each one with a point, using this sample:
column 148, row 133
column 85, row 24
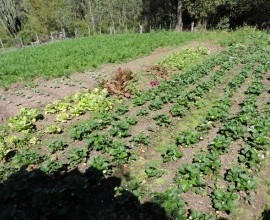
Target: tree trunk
column 202, row 24
column 92, row 16
column 179, row 24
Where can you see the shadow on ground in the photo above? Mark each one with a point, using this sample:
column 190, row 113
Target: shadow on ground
column 266, row 215
column 35, row 195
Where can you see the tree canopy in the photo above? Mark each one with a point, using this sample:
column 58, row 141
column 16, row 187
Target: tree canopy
column 26, row 18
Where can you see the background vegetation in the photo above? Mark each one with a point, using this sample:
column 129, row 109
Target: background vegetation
column 27, row 18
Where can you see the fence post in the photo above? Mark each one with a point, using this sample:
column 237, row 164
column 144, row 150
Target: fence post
column 21, row 43
column 37, row 39
column 141, row 29
column 114, row 31
column 192, row 26
column 2, row 44
column 64, row 33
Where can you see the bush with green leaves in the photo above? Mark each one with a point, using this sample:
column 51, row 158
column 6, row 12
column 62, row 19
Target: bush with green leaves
column 141, row 139
column 163, row 120
column 224, row 200
column 24, row 121
column 178, row 110
column 52, row 167
column 259, row 140
column 131, row 120
column 28, row 157
column 77, row 156
column 220, row 144
column 56, row 145
column 204, row 127
column 250, row 157
column 85, row 128
column 119, row 152
column 99, row 142
column 63, row 117
column 183, row 59
column 133, row 186
column 208, row 163
column 172, row 202
column 188, row 176
column 172, row 153
column 256, row 88
column 219, row 111
column 152, row 170
column 197, row 215
column 79, row 103
column 53, row 129
column 143, row 112
column 121, row 110
column 156, row 104
column 139, row 100
column 233, row 129
column 121, row 129
column 18, row 141
column 99, row 163
column 259, row 133
column 242, row 178
column 188, row 138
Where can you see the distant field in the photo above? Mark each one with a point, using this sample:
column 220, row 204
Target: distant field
column 62, row 58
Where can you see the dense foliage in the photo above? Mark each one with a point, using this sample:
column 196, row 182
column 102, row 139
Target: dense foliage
column 29, row 18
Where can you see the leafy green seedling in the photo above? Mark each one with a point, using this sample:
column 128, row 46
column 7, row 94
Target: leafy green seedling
column 163, row 120
column 77, row 156
column 56, row 145
column 172, row 154
column 152, row 170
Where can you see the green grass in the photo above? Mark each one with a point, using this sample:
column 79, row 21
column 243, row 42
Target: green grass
column 77, row 55
column 66, row 57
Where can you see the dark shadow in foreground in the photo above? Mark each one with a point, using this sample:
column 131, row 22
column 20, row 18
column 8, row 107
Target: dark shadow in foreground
column 266, row 215
column 35, row 195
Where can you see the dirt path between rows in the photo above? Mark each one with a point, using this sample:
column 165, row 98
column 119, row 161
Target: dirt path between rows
column 18, row 96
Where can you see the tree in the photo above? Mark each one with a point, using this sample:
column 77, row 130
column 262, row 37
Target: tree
column 159, row 12
column 11, row 16
column 202, row 10
column 179, row 23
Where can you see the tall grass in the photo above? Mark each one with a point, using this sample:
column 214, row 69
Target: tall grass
column 62, row 58
column 65, row 57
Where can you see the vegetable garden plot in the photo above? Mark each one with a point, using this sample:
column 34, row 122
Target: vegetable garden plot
column 108, row 144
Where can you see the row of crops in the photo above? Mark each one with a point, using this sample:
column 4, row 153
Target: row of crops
column 227, row 94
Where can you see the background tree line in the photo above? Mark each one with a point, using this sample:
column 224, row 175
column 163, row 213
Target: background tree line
column 27, row 18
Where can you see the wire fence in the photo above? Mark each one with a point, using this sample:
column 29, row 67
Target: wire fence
column 57, row 36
